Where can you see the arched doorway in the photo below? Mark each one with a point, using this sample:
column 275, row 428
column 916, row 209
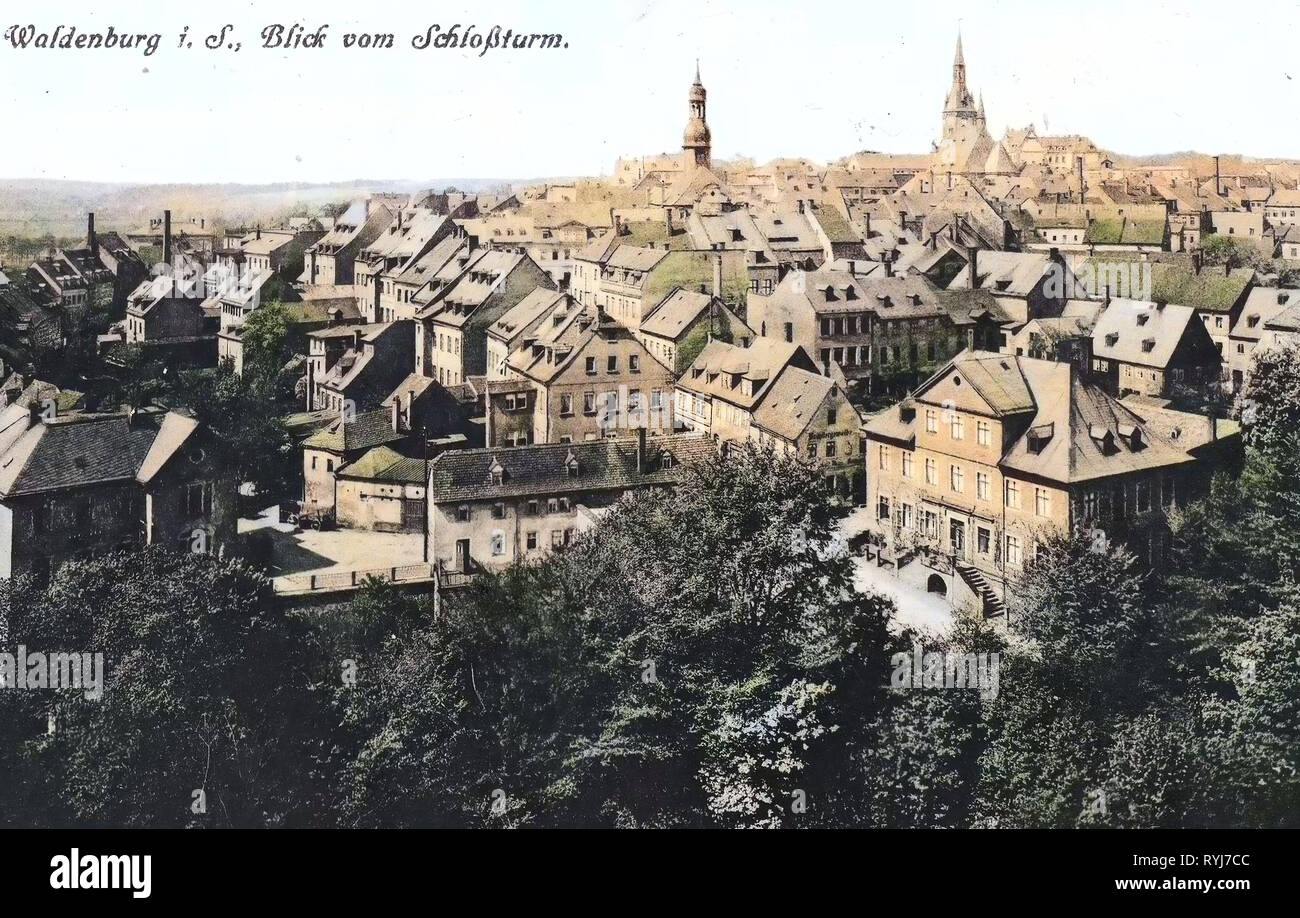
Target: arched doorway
column 936, row 585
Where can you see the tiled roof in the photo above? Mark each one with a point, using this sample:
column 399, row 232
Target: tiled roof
column 1135, row 331
column 791, row 402
column 385, row 464
column 602, row 465
column 86, row 450
column 367, row 429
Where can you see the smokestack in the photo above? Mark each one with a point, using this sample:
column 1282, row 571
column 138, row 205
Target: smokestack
column 259, row 231
column 972, row 257
column 868, row 235
column 886, row 259
column 717, row 275
column 1079, row 162
column 640, row 450
column 1218, row 181
column 167, row 237
column 92, row 241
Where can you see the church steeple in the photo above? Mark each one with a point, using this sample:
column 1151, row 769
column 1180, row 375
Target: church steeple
column 697, row 139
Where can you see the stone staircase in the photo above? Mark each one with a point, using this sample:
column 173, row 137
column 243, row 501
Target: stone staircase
column 994, row 607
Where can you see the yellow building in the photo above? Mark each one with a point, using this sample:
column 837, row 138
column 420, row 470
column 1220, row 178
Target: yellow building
column 994, row 454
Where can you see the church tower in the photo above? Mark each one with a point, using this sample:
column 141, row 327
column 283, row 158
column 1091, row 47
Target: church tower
column 697, row 140
column 959, row 110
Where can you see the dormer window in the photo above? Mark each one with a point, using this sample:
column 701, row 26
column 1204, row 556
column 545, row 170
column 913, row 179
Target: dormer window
column 1252, row 321
column 666, row 461
column 497, row 473
column 830, row 294
column 1142, row 318
column 1111, row 339
column 1148, row 345
column 1039, row 436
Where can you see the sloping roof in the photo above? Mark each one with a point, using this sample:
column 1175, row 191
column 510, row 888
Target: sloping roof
column 385, row 464
column 367, row 429
column 524, row 313
column 1141, row 332
column 174, row 431
column 86, row 450
column 541, row 469
column 791, row 402
column 675, row 313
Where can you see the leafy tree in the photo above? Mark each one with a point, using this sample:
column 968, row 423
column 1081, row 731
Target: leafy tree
column 205, row 689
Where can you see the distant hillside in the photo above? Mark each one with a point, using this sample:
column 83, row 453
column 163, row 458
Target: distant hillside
column 35, row 207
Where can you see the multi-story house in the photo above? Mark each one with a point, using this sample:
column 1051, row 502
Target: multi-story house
column 685, row 321
column 77, row 485
column 628, row 281
column 1251, row 331
column 489, row 508
column 453, row 328
column 1152, row 349
column 413, row 231
column 878, row 325
column 542, row 307
column 996, row 453
column 331, row 260
column 357, row 365
column 591, row 378
column 772, row 394
column 342, row 443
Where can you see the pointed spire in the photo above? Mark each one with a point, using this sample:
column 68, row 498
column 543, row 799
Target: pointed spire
column 981, row 103
column 697, row 72
column 958, row 60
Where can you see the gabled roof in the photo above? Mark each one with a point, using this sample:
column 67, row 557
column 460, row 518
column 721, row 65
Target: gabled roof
column 543, row 469
column 385, row 464
column 791, row 403
column 91, row 449
column 367, row 429
column 1140, row 332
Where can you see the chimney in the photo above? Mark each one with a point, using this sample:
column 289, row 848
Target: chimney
column 259, row 228
column 471, row 243
column 167, row 237
column 886, row 259
column 92, row 241
column 203, row 222
column 1218, row 182
column 972, row 267
column 717, row 275
column 640, row 451
column 1227, row 268
column 853, row 266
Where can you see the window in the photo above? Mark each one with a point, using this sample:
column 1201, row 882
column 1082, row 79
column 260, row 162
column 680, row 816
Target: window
column 982, row 540
column 589, row 403
column 956, row 478
column 498, row 543
column 882, row 509
column 907, row 465
column 981, row 486
column 611, row 365
column 553, row 505
column 532, row 508
column 982, row 433
column 831, row 415
column 884, row 458
column 830, row 449
column 566, row 404
column 905, row 515
column 931, row 472
column 1013, row 494
column 634, row 363
column 557, row 538
column 498, row 511
column 1013, row 550
column 1042, row 502
column 956, row 428
column 462, row 513
column 591, row 366
column 931, row 418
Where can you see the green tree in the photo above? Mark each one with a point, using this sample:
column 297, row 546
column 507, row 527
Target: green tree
column 206, row 688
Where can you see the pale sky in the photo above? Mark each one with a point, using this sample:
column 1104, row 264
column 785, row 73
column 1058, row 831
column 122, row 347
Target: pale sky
column 811, row 78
